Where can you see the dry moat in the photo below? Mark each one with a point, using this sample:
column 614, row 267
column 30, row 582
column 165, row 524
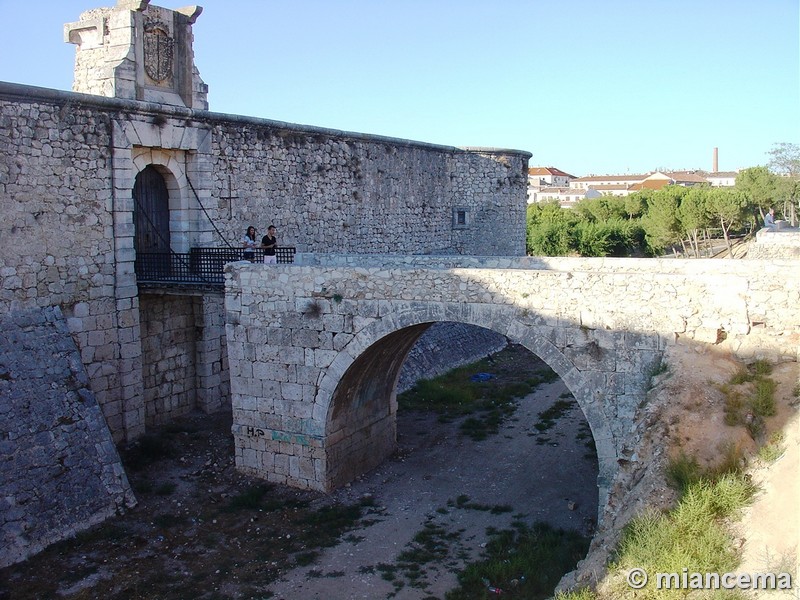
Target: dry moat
column 405, row 530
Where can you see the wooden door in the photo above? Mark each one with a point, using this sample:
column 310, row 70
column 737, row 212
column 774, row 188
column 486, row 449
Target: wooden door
column 151, row 212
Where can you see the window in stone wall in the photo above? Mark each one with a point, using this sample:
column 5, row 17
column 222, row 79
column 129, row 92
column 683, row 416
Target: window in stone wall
column 461, row 218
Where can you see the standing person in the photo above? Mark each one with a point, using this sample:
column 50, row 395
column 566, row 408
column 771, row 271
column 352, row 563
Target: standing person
column 269, row 242
column 769, row 219
column 249, row 243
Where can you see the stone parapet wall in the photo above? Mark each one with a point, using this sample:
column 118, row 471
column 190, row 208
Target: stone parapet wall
column 752, row 297
column 59, row 469
column 779, row 244
column 694, row 266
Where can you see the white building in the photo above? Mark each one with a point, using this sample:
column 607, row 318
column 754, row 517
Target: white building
column 548, row 183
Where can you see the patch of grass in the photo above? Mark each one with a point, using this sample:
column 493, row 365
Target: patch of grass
column 388, row 572
column 581, row 594
column 692, row 535
column 324, row 526
column 443, row 395
column 659, row 368
column 524, row 562
column 750, row 398
column 773, row 449
column 549, row 416
column 683, row 471
column 734, row 406
column 433, row 544
column 761, row 368
column 463, row 501
column 743, row 375
column 732, row 461
column 763, row 401
column 485, row 404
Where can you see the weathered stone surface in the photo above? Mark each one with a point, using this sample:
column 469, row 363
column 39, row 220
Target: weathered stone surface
column 59, row 469
column 70, row 227
column 601, row 324
column 781, row 243
column 446, row 346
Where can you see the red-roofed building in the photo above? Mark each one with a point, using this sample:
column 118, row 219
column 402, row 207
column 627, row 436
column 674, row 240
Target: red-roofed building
column 546, row 177
column 592, row 186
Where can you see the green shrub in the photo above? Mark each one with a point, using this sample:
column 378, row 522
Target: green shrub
column 761, row 368
column 526, row 562
column 693, row 535
column 773, row 449
column 550, row 239
column 682, row 472
column 763, row 401
column 581, row 594
column 748, row 404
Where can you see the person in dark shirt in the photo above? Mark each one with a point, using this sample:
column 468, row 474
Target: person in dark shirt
column 269, row 242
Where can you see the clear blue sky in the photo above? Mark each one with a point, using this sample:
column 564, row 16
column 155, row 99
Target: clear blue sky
column 588, row 86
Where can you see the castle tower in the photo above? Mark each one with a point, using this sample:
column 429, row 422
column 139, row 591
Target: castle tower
column 139, row 52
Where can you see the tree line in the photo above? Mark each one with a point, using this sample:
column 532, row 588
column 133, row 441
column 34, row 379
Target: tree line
column 678, row 219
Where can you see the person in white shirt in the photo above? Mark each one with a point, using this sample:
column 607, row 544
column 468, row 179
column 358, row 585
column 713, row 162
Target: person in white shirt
column 249, row 243
column 769, row 219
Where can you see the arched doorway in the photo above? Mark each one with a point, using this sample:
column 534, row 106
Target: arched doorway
column 151, row 212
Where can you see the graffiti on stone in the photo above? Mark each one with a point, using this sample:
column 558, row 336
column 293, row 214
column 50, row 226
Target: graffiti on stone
column 280, row 436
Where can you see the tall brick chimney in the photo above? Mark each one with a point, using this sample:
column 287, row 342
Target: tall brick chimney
column 715, row 162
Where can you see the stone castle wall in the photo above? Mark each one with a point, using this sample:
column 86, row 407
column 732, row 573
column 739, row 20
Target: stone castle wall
column 337, row 192
column 168, row 351
column 68, row 163
column 59, row 468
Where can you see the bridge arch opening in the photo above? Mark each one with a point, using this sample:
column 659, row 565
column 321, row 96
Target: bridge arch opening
column 363, row 428
column 361, row 425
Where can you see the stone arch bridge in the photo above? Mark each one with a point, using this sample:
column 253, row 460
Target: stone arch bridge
column 315, row 348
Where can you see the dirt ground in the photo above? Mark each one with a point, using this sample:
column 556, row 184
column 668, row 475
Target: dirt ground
column 689, row 418
column 202, row 530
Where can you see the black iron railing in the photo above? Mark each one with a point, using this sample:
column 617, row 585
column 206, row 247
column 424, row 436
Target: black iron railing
column 200, row 266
